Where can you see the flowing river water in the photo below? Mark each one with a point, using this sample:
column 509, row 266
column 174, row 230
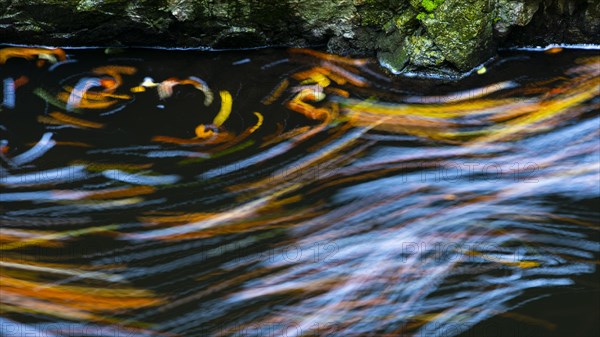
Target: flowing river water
column 290, row 193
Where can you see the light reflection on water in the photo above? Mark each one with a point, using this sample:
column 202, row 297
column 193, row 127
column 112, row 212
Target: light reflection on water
column 289, row 193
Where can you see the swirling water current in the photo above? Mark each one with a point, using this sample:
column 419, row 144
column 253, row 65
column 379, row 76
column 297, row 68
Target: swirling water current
column 295, row 193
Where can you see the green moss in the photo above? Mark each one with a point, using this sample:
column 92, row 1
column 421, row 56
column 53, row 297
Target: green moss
column 388, row 26
column 462, row 30
column 431, row 5
column 406, row 21
column 377, row 12
column 422, row 16
column 375, row 17
column 423, row 52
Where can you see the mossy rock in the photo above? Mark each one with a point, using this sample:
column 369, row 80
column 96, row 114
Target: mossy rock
column 417, row 52
column 513, row 13
column 416, row 4
column 406, row 34
column 431, row 5
column 462, row 30
column 423, row 52
column 407, row 21
column 394, row 60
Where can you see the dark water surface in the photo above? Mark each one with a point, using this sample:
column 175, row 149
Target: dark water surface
column 294, row 193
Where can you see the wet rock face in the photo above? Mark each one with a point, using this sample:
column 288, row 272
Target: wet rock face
column 568, row 21
column 84, row 22
column 465, row 33
column 186, row 23
column 440, row 36
column 456, row 34
column 513, row 13
column 462, row 30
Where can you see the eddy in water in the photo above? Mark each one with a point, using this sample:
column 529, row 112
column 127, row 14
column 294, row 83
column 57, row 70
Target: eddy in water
column 296, row 193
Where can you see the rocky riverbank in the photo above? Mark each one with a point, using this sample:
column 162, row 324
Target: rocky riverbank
column 439, row 36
